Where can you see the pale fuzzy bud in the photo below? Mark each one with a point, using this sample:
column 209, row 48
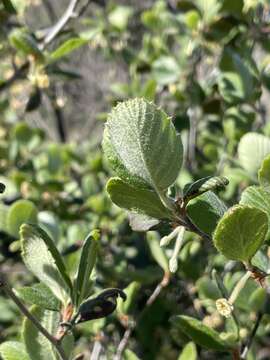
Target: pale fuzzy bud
column 173, row 265
column 168, row 238
column 224, row 307
column 42, row 81
column 243, row 333
column 164, row 241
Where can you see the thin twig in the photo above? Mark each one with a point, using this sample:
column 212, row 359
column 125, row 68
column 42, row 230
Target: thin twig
column 53, row 32
column 97, row 348
column 10, row 293
column 84, row 8
column 123, row 344
column 164, row 282
column 61, row 23
column 131, row 326
column 251, row 337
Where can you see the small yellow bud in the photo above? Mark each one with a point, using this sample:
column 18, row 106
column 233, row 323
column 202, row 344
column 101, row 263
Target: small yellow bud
column 224, row 307
column 42, row 81
column 60, row 101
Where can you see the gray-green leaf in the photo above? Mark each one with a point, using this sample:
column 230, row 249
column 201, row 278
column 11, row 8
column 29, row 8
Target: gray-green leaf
column 20, row 212
column 39, row 294
column 140, row 222
column 67, row 47
column 205, row 184
column 241, row 232
column 252, row 149
column 43, row 259
column 200, row 333
column 145, row 142
column 166, row 70
column 156, row 251
column 86, row 265
column 136, row 199
column 259, row 198
column 37, row 346
column 13, row 350
column 189, row 352
column 117, row 165
column 206, row 210
column 264, row 173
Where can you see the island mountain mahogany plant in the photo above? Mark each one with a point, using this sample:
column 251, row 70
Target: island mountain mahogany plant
column 146, row 153
column 183, row 272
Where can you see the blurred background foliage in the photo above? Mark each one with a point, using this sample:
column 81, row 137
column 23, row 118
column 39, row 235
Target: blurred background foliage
column 207, row 63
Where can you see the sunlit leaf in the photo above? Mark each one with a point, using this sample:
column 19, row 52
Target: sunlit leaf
column 241, row 232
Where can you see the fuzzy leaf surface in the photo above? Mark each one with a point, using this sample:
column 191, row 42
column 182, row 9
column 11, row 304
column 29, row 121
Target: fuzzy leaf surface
column 264, row 173
column 138, row 200
column 39, row 294
column 252, row 150
column 86, row 265
column 13, row 350
column 37, row 346
column 198, row 332
column 145, row 143
column 241, row 232
column 259, row 198
column 43, row 259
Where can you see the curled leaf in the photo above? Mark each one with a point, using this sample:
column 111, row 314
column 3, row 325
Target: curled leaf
column 205, row 184
column 101, row 306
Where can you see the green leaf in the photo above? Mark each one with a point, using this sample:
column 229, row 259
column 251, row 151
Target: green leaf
column 205, row 184
column 126, row 307
column 264, row 173
column 209, row 9
column 9, row 7
column 258, row 198
column 39, row 294
column 201, row 334
column 13, row 350
column 119, row 16
column 130, row 355
column 24, row 42
column 237, row 81
column 67, row 47
column 137, row 200
column 20, row 212
column 261, row 261
column 252, row 150
column 156, row 251
column 149, row 90
column 189, row 352
column 37, row 346
column 207, row 288
column 22, row 132
column 43, row 259
column 144, row 141
column 257, row 300
column 117, row 165
column 205, row 211
column 241, row 232
column 86, row 265
column 140, row 222
column 3, row 217
column 166, row 70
